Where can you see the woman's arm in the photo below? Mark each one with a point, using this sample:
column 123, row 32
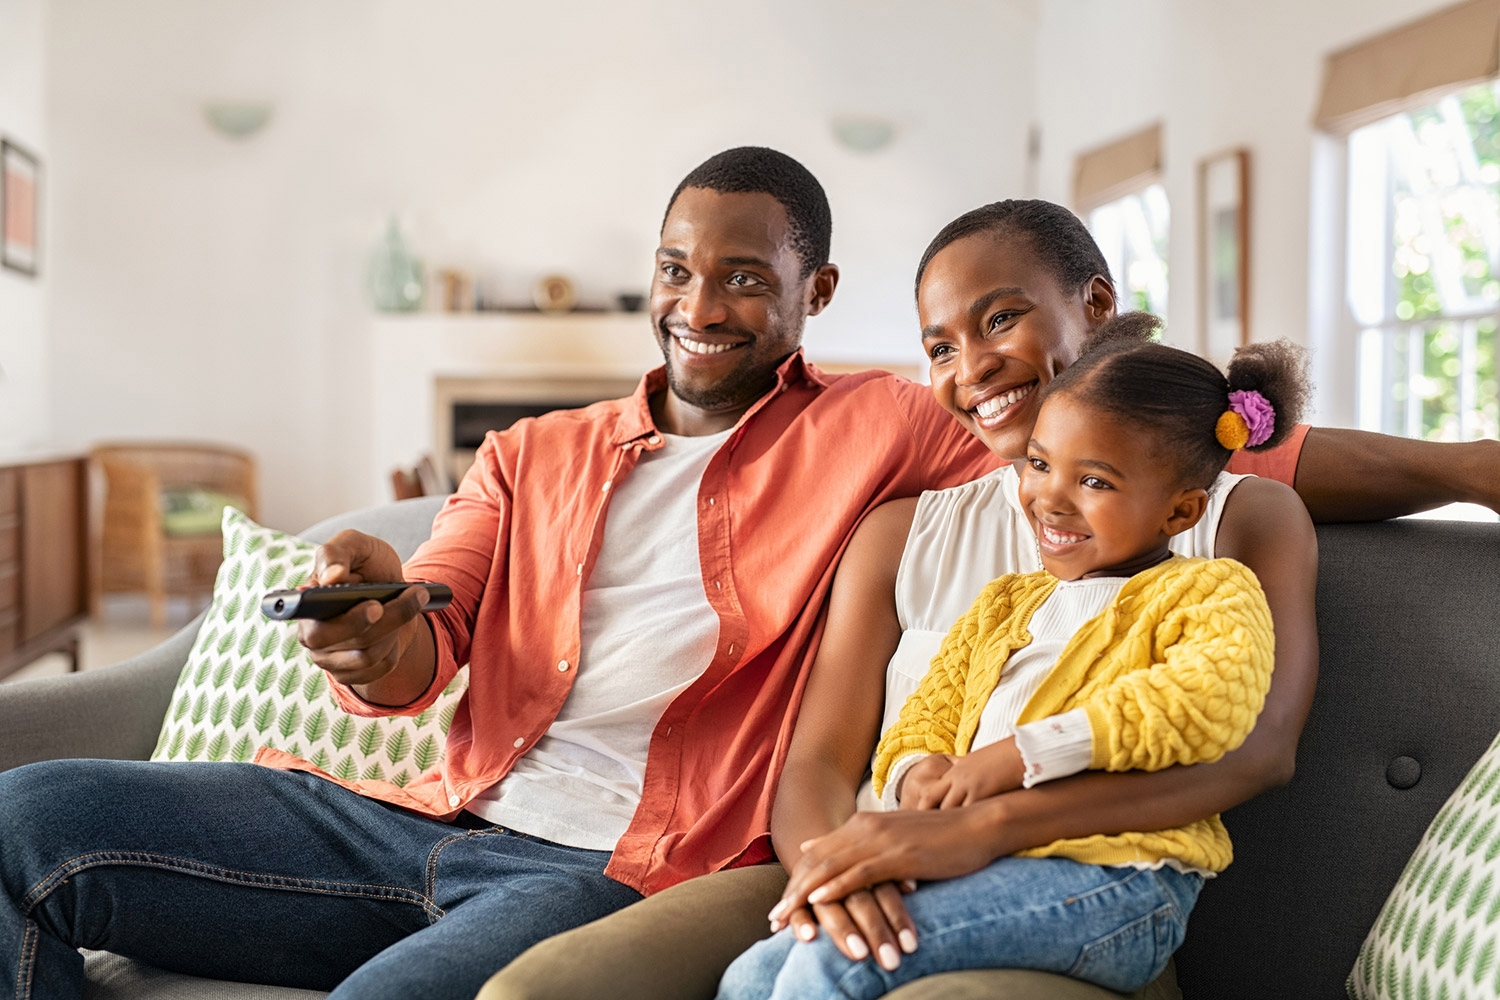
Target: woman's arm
column 1266, row 527
column 837, row 726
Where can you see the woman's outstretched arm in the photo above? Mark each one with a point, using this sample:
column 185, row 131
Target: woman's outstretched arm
column 1266, row 527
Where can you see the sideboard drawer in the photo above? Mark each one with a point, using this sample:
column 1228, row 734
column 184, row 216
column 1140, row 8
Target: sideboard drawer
column 10, row 631
column 10, row 591
column 10, row 493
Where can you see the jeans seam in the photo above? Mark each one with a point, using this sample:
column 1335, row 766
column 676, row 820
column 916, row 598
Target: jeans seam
column 1116, row 884
column 28, row 960
column 434, row 911
column 1093, row 946
column 83, row 862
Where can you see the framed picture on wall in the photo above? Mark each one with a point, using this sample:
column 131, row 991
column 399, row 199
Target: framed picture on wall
column 1224, row 252
column 20, row 182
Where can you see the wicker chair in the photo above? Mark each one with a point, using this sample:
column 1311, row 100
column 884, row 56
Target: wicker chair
column 132, row 548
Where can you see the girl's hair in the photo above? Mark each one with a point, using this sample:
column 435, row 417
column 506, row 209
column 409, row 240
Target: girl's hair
column 1058, row 238
column 1179, row 397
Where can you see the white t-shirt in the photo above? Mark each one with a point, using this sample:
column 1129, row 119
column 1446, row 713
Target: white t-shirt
column 648, row 632
column 961, row 539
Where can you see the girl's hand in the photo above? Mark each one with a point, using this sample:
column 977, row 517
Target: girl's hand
column 926, row 780
column 904, row 846
column 867, row 922
column 963, row 781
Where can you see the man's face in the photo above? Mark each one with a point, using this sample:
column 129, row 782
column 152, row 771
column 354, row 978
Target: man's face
column 727, row 298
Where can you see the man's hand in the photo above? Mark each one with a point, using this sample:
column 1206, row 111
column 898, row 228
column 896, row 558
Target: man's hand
column 367, row 643
column 943, row 781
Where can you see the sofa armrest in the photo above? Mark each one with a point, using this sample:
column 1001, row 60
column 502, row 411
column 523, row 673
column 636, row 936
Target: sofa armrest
column 113, row 712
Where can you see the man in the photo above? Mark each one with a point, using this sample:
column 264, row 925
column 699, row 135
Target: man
column 638, row 586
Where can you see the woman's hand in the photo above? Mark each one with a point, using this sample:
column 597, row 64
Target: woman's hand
column 943, row 781
column 872, row 848
column 867, row 922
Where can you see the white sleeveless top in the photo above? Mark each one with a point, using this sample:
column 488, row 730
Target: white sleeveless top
column 961, row 539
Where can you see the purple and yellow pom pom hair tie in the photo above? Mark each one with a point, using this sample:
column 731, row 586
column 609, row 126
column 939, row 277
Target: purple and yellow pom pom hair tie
column 1249, row 421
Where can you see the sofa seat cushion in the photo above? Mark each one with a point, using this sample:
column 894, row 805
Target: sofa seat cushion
column 113, row 977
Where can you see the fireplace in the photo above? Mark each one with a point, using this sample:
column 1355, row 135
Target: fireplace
column 465, row 409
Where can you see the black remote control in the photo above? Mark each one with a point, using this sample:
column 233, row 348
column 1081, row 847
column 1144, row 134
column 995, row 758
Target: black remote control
column 334, row 600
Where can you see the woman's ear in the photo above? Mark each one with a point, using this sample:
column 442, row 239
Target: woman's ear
column 1099, row 300
column 1187, row 510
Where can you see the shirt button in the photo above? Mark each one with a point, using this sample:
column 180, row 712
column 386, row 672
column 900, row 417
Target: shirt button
column 654, row 439
column 718, row 585
column 710, row 499
column 580, row 569
column 520, row 741
column 562, row 664
column 731, row 649
column 605, row 487
column 454, row 800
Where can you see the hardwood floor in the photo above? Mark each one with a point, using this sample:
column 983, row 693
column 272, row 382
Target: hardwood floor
column 121, row 631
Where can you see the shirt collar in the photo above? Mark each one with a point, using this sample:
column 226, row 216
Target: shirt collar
column 635, row 419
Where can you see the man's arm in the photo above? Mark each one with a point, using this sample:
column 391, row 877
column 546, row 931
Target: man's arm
column 1264, row 526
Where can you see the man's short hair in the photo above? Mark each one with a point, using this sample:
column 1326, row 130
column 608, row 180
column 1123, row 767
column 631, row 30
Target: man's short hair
column 758, row 170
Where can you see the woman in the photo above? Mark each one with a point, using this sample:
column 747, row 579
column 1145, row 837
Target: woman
column 1006, row 296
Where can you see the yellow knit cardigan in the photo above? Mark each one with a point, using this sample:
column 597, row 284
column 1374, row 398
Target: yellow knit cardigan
column 1173, row 672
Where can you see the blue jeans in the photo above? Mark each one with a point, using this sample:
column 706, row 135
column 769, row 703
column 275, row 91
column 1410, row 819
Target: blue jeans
column 239, row 872
column 1114, row 927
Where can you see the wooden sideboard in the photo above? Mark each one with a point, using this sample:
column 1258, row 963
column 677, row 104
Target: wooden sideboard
column 43, row 558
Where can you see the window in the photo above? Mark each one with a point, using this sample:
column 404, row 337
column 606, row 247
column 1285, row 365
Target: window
column 1132, row 233
column 1424, row 267
column 1117, row 191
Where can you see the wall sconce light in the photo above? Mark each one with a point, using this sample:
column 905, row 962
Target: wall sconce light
column 863, row 133
column 237, row 119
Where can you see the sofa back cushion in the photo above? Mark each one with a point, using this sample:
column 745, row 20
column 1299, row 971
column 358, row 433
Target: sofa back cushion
column 1409, row 681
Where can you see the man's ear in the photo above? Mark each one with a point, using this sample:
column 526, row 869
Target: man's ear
column 1187, row 510
column 1099, row 300
column 820, row 286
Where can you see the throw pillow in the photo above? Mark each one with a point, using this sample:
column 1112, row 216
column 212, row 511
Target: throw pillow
column 1438, row 934
column 249, row 683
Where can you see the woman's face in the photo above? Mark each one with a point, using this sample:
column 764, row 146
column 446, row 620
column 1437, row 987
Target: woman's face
column 997, row 326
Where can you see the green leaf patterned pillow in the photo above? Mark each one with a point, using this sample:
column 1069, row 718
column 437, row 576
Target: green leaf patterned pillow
column 1438, row 934
column 249, row 683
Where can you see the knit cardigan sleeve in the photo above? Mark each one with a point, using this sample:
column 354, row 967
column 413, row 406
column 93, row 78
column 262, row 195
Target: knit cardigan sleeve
column 929, row 720
column 1210, row 659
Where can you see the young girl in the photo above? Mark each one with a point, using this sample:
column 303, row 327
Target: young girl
column 1117, row 656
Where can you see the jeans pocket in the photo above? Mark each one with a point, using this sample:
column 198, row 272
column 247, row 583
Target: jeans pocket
column 1128, row 958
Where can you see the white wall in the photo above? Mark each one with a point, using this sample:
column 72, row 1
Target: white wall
column 1218, row 75
column 24, row 379
column 209, row 288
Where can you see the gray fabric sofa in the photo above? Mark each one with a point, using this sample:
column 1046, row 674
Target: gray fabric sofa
column 1409, row 622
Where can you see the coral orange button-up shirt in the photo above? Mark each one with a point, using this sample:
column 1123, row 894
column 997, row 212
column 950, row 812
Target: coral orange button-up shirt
column 776, row 507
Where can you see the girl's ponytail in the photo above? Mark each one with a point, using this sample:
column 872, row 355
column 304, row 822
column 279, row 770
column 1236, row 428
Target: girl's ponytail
column 1268, row 390
column 1199, row 414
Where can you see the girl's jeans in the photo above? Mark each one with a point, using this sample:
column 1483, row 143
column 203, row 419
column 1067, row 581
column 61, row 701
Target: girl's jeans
column 235, row 871
column 1115, row 927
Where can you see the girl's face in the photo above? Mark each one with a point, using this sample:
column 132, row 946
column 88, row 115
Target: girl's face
column 1100, row 499
column 997, row 326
